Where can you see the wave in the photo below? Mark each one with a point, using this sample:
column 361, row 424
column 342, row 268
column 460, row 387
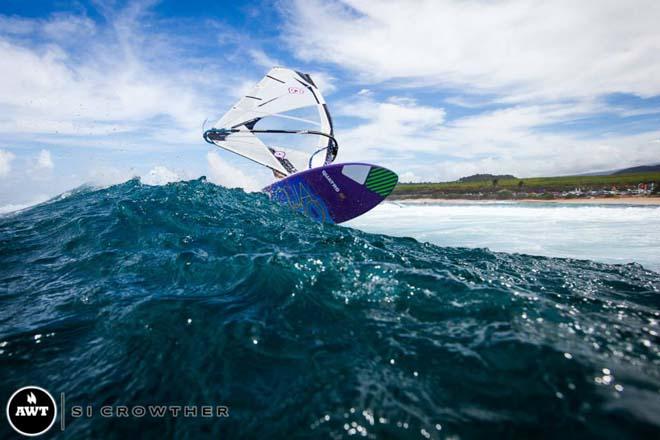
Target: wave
column 191, row 292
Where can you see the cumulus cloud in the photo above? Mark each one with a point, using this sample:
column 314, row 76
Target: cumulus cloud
column 159, row 175
column 396, row 126
column 525, row 73
column 409, row 177
column 223, row 173
column 6, row 157
column 416, row 140
column 44, row 161
column 550, row 49
column 324, row 81
column 67, row 75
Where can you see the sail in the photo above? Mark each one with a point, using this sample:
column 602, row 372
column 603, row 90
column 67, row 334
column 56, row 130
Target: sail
column 280, row 91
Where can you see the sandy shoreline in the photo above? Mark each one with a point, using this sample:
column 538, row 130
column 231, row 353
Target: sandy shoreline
column 632, row 200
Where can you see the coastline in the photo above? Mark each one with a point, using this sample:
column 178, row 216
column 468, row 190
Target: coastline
column 630, row 200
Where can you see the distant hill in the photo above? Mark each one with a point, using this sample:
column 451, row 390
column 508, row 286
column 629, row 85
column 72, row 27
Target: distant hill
column 485, row 177
column 640, row 169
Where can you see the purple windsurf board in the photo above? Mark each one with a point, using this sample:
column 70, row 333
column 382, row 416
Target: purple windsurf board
column 334, row 193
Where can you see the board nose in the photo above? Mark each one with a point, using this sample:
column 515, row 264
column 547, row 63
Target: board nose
column 381, row 181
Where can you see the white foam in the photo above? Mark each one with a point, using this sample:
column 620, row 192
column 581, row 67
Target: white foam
column 160, row 175
column 611, row 234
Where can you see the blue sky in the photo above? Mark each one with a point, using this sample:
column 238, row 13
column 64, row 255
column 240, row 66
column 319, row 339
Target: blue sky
column 98, row 92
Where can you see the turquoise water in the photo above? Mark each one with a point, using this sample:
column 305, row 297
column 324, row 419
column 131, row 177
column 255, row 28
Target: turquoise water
column 190, row 293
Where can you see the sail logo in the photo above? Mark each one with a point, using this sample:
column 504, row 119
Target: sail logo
column 296, row 91
column 31, row 411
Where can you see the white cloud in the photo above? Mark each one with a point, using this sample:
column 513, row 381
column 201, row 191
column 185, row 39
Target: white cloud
column 396, row 126
column 409, row 177
column 80, row 79
column 324, row 81
column 6, row 157
column 414, row 139
column 59, row 26
column 63, row 27
column 130, row 81
column 550, row 49
column 159, row 175
column 223, row 173
column 263, row 60
column 546, row 63
column 51, row 97
column 44, row 161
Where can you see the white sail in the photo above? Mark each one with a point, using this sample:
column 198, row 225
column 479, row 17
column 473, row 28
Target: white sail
column 280, row 91
column 251, row 147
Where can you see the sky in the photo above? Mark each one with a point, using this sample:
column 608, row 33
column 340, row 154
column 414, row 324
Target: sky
column 99, row 92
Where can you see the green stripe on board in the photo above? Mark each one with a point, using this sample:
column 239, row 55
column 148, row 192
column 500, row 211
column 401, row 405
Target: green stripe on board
column 380, row 175
column 388, row 181
column 381, row 180
column 382, row 187
column 379, row 171
column 382, row 191
column 391, row 180
column 373, row 176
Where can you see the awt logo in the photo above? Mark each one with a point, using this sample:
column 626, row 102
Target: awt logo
column 31, row 411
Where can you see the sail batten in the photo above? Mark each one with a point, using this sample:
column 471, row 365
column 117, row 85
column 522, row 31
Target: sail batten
column 280, row 91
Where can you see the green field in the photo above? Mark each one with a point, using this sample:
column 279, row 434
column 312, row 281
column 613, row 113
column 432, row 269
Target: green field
column 534, row 187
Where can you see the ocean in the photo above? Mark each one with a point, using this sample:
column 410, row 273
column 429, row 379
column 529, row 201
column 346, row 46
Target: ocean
column 193, row 294
column 618, row 234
